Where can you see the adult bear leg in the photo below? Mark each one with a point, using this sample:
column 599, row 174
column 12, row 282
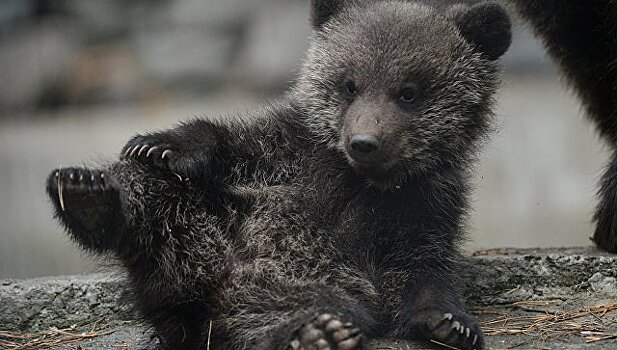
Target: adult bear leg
column 605, row 217
column 581, row 36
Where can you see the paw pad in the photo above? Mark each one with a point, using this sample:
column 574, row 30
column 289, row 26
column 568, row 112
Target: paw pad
column 81, row 185
column 327, row 332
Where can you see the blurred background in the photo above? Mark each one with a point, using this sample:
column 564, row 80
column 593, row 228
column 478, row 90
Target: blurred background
column 79, row 77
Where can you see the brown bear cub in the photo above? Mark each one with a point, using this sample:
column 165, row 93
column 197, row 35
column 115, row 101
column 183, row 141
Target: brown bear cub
column 327, row 218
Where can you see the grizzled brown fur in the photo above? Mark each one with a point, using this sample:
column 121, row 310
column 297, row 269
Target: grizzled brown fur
column 322, row 220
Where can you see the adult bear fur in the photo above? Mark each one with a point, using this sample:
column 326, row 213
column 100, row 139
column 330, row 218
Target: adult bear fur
column 327, row 218
column 582, row 38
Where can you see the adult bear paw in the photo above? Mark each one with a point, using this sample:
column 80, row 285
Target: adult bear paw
column 456, row 329
column 327, row 332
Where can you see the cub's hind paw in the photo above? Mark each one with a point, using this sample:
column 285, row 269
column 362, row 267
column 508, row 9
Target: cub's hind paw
column 87, row 201
column 327, row 332
column 455, row 329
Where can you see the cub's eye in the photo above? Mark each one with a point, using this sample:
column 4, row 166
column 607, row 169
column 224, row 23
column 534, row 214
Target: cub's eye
column 349, row 88
column 409, row 94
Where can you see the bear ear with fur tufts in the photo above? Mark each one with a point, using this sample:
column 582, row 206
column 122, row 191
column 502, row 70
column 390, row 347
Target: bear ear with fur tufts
column 486, row 26
column 323, row 10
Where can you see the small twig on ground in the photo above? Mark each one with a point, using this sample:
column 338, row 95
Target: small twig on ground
column 50, row 338
column 444, row 345
column 586, row 322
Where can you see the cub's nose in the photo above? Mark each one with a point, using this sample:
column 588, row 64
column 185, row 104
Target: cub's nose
column 364, row 144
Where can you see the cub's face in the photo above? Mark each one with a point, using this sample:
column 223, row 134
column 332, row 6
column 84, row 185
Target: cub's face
column 399, row 87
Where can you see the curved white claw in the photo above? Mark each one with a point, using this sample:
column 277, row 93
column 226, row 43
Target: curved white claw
column 60, row 196
column 151, row 150
column 134, row 150
column 166, row 153
column 142, row 149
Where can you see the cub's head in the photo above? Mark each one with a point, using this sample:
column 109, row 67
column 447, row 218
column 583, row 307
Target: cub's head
column 401, row 87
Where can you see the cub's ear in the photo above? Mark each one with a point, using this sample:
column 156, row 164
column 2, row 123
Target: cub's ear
column 323, row 10
column 486, row 26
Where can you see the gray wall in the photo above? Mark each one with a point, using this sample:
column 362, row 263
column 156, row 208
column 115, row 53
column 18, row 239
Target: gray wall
column 83, row 75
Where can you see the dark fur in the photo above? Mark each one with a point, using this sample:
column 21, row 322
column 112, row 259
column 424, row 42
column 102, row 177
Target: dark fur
column 582, row 37
column 271, row 227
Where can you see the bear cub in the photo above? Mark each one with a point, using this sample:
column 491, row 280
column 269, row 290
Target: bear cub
column 321, row 220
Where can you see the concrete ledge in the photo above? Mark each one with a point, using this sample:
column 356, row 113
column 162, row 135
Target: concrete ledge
column 498, row 283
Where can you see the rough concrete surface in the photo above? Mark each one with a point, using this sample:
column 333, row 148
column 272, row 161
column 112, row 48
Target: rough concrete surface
column 525, row 299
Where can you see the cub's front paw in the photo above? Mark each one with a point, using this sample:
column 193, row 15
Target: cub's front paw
column 456, row 329
column 327, row 332
column 150, row 150
column 168, row 152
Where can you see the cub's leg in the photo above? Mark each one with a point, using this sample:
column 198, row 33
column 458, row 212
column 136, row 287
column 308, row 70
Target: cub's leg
column 432, row 309
column 292, row 315
column 160, row 230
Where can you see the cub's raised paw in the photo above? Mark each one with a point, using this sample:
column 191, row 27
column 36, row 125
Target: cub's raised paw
column 150, row 150
column 327, row 332
column 455, row 329
column 180, row 158
column 87, row 202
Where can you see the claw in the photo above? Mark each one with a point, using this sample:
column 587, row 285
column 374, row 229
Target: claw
column 151, row 150
column 60, row 197
column 447, row 316
column 456, row 325
column 323, row 318
column 333, row 325
column 166, row 153
column 345, row 333
column 295, row 344
column 312, row 335
column 467, row 333
column 143, row 148
column 350, row 343
column 475, row 339
column 134, row 150
column 322, row 344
